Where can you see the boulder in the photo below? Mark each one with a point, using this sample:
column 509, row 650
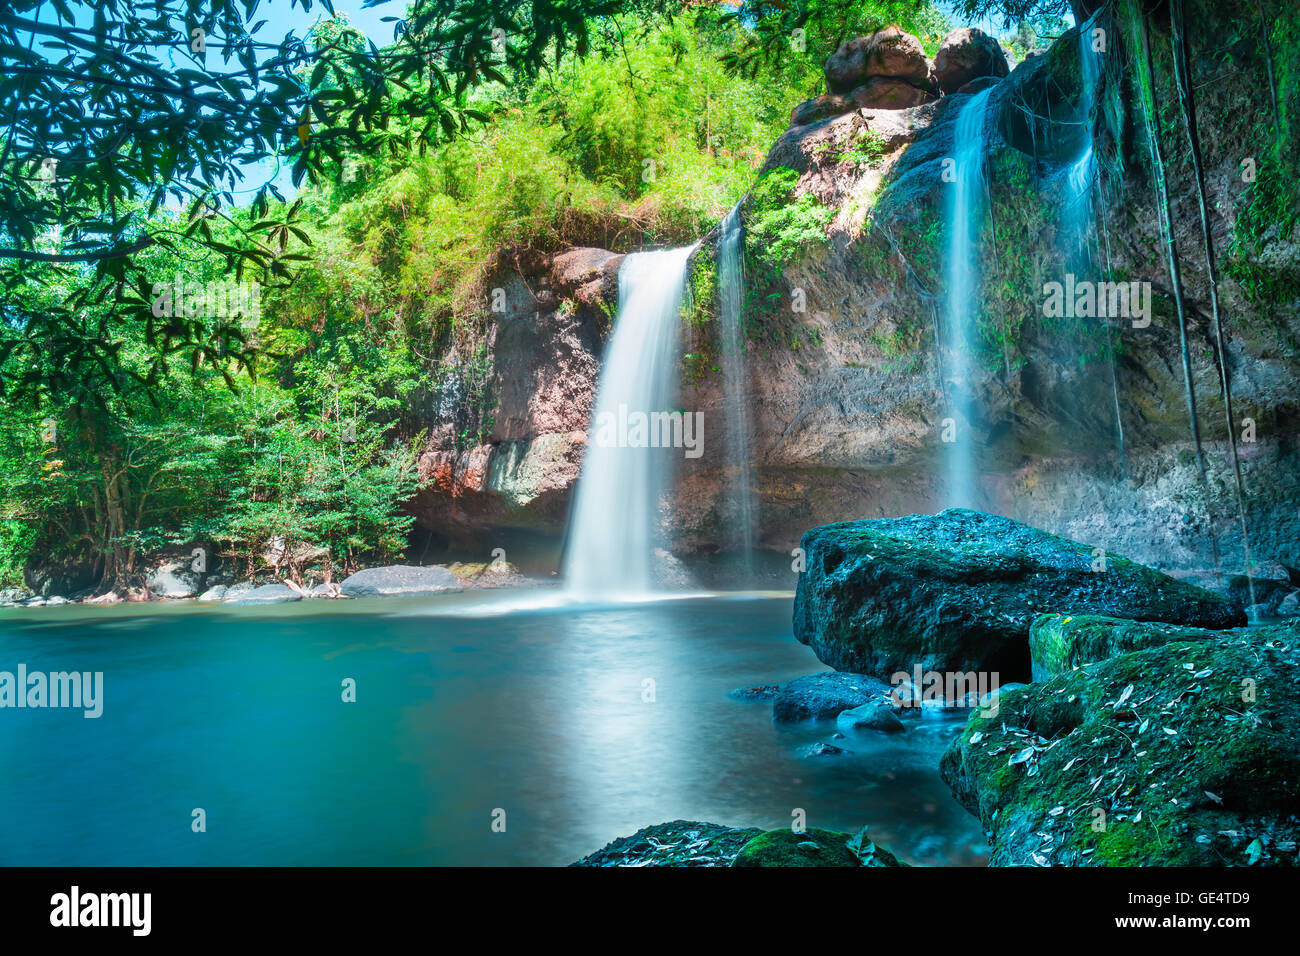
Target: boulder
column 819, row 108
column 488, row 574
column 824, row 696
column 214, row 593
column 1268, row 586
column 266, row 594
column 587, row 275
column 398, row 580
column 1182, row 754
column 1062, row 642
column 679, row 843
column 174, row 578
column 820, row 749
column 10, row 596
column 876, row 715
column 890, row 52
column 888, row 93
column 967, row 54
column 958, row 591
column 813, row 847
column 1289, row 606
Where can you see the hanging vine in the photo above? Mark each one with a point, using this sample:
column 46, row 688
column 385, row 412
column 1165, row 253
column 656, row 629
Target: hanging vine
column 1182, row 71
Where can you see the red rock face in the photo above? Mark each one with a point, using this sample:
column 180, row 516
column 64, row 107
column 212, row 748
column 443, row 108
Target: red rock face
column 542, row 364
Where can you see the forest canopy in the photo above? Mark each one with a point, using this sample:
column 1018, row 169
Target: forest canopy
column 240, row 273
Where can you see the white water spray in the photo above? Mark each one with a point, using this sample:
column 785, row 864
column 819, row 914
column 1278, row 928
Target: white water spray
column 966, row 204
column 613, row 531
column 731, row 281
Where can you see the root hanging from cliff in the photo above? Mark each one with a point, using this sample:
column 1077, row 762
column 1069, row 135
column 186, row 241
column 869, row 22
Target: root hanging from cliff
column 1150, row 110
column 1182, row 71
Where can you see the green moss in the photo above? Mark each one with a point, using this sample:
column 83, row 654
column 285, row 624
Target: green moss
column 813, row 847
column 1185, row 767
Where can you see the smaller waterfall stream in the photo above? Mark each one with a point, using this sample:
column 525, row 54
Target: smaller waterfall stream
column 965, row 204
column 731, row 281
column 612, row 535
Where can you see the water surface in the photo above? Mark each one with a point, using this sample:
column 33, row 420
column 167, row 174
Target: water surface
column 461, row 709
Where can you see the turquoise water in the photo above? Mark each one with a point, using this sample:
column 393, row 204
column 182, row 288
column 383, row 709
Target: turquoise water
column 461, row 709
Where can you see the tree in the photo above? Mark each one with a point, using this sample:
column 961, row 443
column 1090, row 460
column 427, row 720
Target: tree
column 109, row 117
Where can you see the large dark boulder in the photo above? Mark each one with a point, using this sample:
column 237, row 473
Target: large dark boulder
column 889, row 52
column 1183, row 754
column 967, row 54
column 958, row 591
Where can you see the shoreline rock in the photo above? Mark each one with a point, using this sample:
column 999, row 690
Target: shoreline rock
column 691, row 843
column 1181, row 754
column 958, row 591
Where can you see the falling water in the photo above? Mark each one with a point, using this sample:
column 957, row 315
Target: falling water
column 966, row 197
column 1079, row 179
column 613, row 531
column 1079, row 215
column 731, row 281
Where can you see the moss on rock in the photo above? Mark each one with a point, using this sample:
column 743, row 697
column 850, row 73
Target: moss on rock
column 813, row 847
column 1179, row 754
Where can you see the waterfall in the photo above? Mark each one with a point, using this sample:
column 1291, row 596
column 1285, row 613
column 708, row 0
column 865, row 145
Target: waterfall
column 617, row 502
column 1078, row 214
column 731, row 282
column 966, row 203
column 1079, row 179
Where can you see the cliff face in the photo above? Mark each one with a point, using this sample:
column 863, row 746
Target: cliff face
column 847, row 382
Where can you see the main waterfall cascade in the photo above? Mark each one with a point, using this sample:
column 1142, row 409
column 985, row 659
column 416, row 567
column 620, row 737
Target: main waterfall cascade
column 964, row 213
column 612, row 535
column 731, row 282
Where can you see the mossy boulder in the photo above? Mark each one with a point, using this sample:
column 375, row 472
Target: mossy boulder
column 813, row 847
column 1182, row 754
column 958, row 591
column 678, row 843
column 1062, row 642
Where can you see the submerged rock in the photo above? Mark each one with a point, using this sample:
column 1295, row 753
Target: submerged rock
column 821, row 749
column 1182, row 754
column 824, row 696
column 757, row 692
column 958, row 591
column 873, row 716
column 398, row 580
column 813, row 847
column 679, row 843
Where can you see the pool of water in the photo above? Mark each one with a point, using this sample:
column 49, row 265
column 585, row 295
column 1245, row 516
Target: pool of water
column 465, row 705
